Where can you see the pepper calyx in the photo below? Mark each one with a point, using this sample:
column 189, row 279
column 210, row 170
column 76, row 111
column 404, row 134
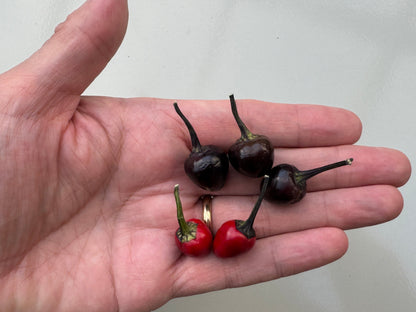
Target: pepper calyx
column 245, row 228
column 189, row 234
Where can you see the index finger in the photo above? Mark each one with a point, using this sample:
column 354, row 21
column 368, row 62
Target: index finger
column 286, row 125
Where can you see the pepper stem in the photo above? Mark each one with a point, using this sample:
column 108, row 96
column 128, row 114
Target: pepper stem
column 248, row 224
column 183, row 225
column 307, row 174
column 196, row 145
column 245, row 133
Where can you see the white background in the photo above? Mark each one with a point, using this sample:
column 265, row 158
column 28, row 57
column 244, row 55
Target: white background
column 355, row 54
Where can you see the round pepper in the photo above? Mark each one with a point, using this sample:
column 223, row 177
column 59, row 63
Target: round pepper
column 193, row 237
column 237, row 236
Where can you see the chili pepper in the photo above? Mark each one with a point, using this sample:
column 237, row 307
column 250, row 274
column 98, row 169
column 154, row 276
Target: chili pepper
column 287, row 183
column 193, row 237
column 252, row 154
column 207, row 165
column 237, row 236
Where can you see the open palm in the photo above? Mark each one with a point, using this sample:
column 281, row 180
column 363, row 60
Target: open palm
column 87, row 209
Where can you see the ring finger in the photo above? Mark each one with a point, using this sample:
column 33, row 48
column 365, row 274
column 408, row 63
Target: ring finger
column 342, row 208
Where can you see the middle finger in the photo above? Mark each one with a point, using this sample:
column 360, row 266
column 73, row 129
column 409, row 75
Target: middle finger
column 371, row 166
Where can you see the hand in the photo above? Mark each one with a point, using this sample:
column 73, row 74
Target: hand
column 87, row 213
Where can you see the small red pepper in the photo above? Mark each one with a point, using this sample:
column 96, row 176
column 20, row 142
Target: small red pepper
column 237, row 236
column 193, row 237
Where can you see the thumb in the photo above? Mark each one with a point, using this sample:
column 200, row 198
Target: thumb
column 69, row 61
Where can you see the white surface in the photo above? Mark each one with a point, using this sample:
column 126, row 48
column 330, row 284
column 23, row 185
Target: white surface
column 360, row 55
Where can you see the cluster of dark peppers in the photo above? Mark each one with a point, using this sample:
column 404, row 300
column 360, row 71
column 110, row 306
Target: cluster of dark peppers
column 251, row 155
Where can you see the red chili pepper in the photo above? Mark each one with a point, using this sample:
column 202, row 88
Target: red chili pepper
column 193, row 237
column 237, row 236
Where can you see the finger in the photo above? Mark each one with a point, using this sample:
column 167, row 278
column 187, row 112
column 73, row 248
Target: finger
column 286, row 125
column 343, row 208
column 71, row 59
column 271, row 258
column 371, row 166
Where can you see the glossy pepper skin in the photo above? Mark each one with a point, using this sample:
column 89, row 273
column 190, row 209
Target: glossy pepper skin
column 199, row 240
column 207, row 165
column 252, row 158
column 193, row 237
column 231, row 241
column 235, row 237
column 287, row 183
column 252, row 154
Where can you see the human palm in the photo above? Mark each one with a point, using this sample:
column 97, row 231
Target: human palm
column 87, row 208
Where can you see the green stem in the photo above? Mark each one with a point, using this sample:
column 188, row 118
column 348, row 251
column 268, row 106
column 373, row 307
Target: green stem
column 181, row 219
column 307, row 174
column 245, row 133
column 196, row 145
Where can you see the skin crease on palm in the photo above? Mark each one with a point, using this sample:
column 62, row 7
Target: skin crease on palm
column 87, row 213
